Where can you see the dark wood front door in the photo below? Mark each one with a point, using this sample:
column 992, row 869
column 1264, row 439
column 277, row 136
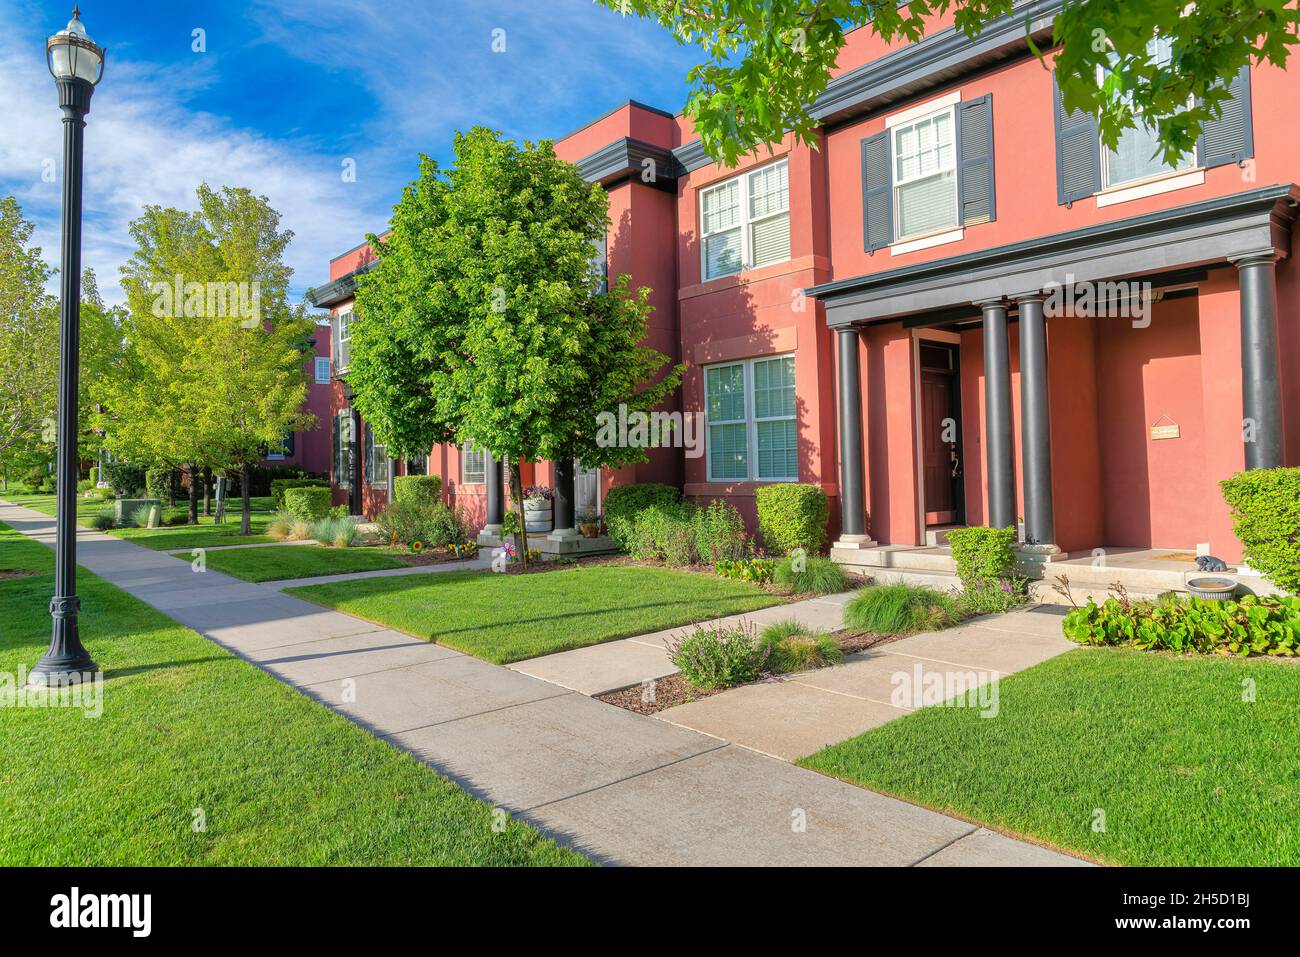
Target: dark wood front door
column 941, row 434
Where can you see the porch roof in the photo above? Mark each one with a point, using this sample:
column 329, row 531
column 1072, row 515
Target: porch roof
column 1251, row 223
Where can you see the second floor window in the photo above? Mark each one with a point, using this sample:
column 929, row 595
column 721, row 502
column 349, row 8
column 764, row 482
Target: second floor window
column 745, row 221
column 322, row 370
column 925, row 175
column 1138, row 155
column 340, row 334
column 752, row 427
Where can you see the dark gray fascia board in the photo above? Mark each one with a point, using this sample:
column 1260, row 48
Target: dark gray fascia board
column 930, row 62
column 623, row 159
column 336, row 291
column 938, row 59
column 1255, row 222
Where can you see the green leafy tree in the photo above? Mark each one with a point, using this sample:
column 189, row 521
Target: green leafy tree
column 768, row 60
column 482, row 320
column 205, row 381
column 29, row 343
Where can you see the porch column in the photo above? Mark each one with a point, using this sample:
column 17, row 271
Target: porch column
column 1261, row 386
column 356, row 494
column 853, row 511
column 495, row 494
column 565, row 526
column 1035, row 428
column 1001, row 510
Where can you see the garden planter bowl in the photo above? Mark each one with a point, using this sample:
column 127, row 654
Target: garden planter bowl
column 1212, row 589
column 537, row 515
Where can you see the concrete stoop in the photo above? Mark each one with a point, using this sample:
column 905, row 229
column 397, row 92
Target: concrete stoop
column 552, row 545
column 1141, row 572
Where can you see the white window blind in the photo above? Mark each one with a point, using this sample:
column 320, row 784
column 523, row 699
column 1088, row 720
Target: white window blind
column 745, row 221
column 751, row 405
column 473, row 465
column 925, row 175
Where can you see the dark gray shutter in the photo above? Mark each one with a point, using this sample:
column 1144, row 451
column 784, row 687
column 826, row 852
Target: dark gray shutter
column 1078, row 151
column 1230, row 138
column 975, row 175
column 369, row 453
column 338, row 452
column 877, row 192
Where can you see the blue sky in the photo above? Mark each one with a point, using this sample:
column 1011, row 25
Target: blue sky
column 287, row 90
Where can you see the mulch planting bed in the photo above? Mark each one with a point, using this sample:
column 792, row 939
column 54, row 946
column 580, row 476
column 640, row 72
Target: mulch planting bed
column 671, row 691
column 428, row 558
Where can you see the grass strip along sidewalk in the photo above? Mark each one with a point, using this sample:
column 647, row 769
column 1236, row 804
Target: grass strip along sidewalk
column 201, row 758
column 509, row 617
column 1125, row 756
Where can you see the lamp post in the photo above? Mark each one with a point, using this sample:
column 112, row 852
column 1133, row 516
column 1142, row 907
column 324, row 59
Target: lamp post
column 77, row 64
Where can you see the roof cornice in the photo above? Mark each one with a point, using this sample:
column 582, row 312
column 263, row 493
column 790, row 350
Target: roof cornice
column 626, row 158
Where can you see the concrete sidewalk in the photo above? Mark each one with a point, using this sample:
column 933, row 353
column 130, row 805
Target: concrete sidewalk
column 618, row 786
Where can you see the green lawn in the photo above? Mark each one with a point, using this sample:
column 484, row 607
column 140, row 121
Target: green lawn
column 206, row 534
column 187, row 728
column 296, row 561
column 504, row 618
column 1185, row 771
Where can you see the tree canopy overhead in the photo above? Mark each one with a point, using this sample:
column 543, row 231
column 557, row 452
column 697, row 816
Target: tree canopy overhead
column 768, row 60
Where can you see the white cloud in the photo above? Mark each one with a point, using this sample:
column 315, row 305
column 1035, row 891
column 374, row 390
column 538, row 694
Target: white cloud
column 143, row 146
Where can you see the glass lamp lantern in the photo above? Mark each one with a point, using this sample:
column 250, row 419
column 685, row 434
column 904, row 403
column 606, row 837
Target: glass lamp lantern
column 72, row 55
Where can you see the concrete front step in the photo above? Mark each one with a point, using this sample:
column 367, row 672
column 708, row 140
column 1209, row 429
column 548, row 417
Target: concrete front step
column 1044, row 592
column 907, row 557
column 943, row 581
column 1146, row 579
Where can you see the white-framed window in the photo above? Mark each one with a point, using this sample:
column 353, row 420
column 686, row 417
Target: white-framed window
column 753, row 433
column 342, row 334
column 745, row 221
column 473, row 465
column 925, row 175
column 1137, row 155
column 322, row 370
column 376, row 461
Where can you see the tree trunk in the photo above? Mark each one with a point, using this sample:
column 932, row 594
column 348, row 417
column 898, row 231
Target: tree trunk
column 194, row 494
column 207, row 490
column 517, row 493
column 245, row 519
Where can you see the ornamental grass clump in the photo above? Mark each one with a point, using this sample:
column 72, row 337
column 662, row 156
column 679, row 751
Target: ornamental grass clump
column 810, row 576
column 280, row 525
column 720, row 656
column 901, row 608
column 794, row 647
column 337, row 532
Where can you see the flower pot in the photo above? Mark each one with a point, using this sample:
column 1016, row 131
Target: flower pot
column 1212, row 589
column 538, row 516
column 590, row 529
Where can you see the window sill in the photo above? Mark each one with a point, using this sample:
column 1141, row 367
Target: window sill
column 925, row 242
column 1168, row 183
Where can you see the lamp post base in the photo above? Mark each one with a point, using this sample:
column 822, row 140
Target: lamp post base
column 66, row 661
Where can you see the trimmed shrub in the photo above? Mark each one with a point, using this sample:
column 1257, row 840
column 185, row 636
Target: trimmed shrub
column 280, row 485
column 124, row 477
column 1265, row 507
column 719, row 533
column 308, row 503
column 1251, row 626
column 757, row 570
column 94, row 476
column 624, row 502
column 983, row 555
column 794, row 647
column 719, row 656
column 792, row 516
column 899, row 608
column 426, row 489
column 817, row 576
column 163, row 484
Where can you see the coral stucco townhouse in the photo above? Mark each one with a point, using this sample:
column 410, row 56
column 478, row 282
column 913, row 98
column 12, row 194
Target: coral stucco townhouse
column 932, row 314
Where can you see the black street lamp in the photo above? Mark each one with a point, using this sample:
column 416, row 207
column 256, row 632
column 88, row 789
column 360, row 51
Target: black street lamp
column 77, row 65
